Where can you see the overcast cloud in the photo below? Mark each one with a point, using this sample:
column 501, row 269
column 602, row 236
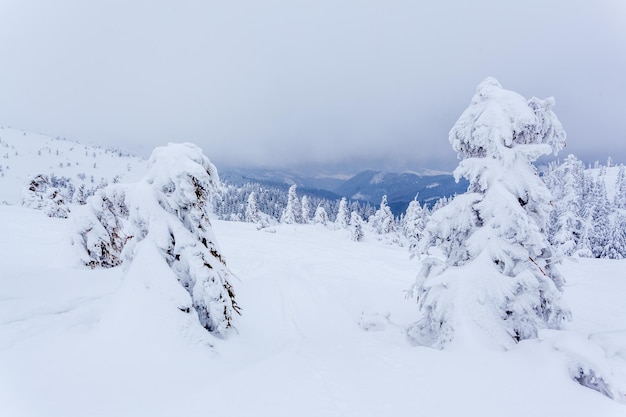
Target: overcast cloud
column 298, row 83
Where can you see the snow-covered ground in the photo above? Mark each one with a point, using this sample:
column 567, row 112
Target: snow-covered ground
column 322, row 334
column 26, row 154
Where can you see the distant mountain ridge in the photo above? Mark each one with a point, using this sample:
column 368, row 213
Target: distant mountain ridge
column 368, row 186
column 26, row 154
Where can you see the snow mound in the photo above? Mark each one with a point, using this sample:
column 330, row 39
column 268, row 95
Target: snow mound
column 596, row 361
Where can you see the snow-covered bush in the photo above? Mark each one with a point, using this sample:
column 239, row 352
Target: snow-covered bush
column 50, row 194
column 487, row 270
column 342, row 220
column 169, row 207
column 320, row 216
column 356, row 227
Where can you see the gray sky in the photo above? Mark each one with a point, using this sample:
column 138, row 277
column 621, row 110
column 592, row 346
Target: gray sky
column 284, row 83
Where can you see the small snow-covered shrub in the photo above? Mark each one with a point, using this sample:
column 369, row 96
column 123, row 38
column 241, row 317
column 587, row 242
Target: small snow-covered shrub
column 169, row 207
column 102, row 229
column 50, row 194
column 320, row 217
column 382, row 224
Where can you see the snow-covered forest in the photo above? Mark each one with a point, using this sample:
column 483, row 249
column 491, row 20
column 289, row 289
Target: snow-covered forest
column 134, row 287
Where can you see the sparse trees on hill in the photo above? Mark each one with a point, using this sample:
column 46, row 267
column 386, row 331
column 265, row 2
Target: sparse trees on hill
column 414, row 222
column 487, row 268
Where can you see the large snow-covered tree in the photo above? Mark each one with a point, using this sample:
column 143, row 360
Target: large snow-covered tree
column 488, row 275
column 168, row 207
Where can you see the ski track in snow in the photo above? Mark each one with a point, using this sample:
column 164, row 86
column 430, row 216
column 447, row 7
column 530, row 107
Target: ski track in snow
column 301, row 347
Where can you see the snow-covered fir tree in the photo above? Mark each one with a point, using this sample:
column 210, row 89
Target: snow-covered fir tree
column 252, row 209
column 292, row 213
column 320, row 217
column 486, row 267
column 596, row 212
column 566, row 224
column 306, row 209
column 615, row 243
column 414, row 222
column 342, row 219
column 168, row 209
column 356, row 227
column 620, row 189
column 382, row 222
column 441, row 202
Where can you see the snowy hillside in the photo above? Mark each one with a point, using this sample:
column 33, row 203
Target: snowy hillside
column 25, row 154
column 327, row 324
column 322, row 334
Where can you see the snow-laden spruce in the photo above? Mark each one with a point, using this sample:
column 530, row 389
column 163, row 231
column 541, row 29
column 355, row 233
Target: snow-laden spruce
column 356, row 227
column 413, row 222
column 488, row 275
column 342, row 220
column 293, row 211
column 168, row 207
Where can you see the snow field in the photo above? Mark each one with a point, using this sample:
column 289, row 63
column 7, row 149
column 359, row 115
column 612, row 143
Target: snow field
column 77, row 342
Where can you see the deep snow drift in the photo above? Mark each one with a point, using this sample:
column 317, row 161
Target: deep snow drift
column 323, row 333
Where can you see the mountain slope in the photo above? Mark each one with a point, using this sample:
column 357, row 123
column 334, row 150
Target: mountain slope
column 25, row 154
column 400, row 188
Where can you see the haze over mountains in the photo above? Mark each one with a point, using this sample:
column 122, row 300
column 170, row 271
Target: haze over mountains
column 25, row 154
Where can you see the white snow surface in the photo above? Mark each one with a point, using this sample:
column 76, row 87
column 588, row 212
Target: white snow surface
column 25, row 154
column 322, row 334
